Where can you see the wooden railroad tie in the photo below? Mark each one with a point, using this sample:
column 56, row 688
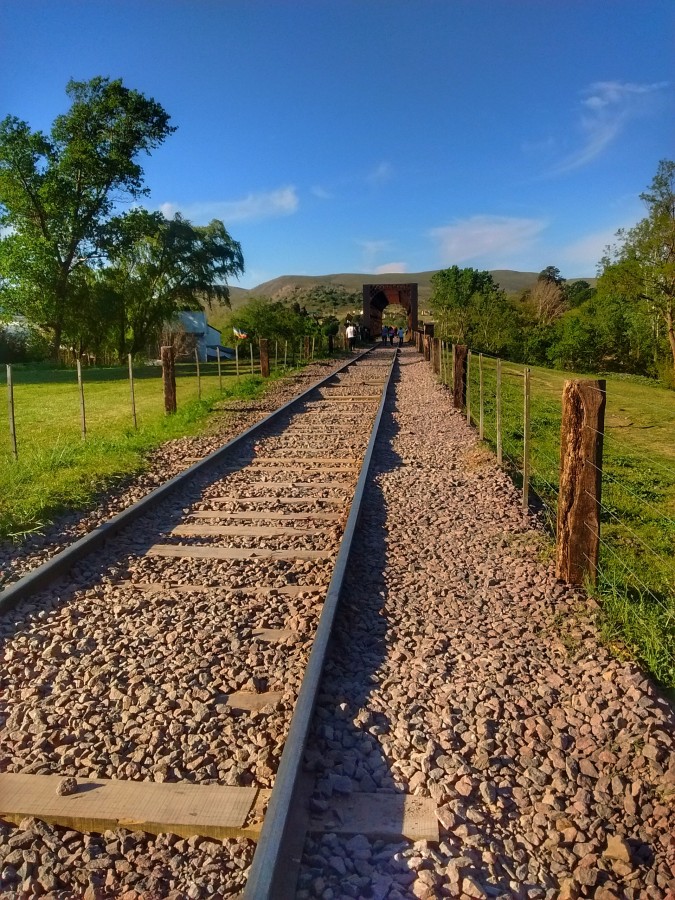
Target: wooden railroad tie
column 208, row 810
column 289, row 501
column 256, row 515
column 286, row 590
column 225, row 553
column 242, row 530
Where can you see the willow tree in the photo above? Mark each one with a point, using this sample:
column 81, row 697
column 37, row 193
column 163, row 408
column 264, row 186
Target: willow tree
column 58, row 193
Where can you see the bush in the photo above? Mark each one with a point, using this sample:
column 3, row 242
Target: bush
column 22, row 343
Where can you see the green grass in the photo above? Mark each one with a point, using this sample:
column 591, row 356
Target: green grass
column 56, row 470
column 636, row 576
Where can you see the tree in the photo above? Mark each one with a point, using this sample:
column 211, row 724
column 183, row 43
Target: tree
column 641, row 267
column 451, row 296
column 58, row 193
column 159, row 266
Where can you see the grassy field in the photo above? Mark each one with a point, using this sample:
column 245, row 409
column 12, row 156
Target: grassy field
column 57, row 470
column 636, row 577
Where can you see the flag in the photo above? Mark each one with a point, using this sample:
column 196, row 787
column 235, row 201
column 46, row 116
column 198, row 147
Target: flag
column 240, row 335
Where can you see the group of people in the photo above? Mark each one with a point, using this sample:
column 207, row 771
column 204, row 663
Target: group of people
column 389, row 333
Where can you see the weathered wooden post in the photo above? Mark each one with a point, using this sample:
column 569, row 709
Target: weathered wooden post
column 330, row 344
column 305, row 348
column 468, row 387
column 526, row 439
column 498, row 404
column 83, row 417
column 276, row 354
column 285, row 354
column 236, row 359
column 459, row 352
column 252, row 369
column 436, row 356
column 168, row 357
column 264, row 357
column 132, row 393
column 313, row 345
column 427, row 348
column 10, row 409
column 581, row 437
column 481, row 430
column 199, row 380
column 220, row 371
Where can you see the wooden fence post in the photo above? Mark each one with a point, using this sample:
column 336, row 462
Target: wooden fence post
column 480, row 398
column 199, row 380
column 10, row 409
column 276, row 354
column 435, row 355
column 427, row 348
column 581, row 437
column 236, row 358
column 459, row 352
column 252, row 369
column 220, row 371
column 468, row 387
column 264, row 357
column 526, row 438
column 305, row 348
column 169, row 379
column 498, row 403
column 285, row 353
column 131, row 391
column 313, row 345
column 83, row 417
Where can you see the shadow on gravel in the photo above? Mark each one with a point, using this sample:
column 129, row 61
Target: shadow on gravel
column 344, row 752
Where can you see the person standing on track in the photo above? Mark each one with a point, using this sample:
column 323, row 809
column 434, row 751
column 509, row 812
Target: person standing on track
column 385, row 334
column 401, row 337
column 351, row 335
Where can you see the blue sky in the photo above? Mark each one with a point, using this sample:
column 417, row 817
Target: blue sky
column 339, row 136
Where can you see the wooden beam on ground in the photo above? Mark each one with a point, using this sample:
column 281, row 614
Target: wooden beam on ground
column 180, row 551
column 382, row 816
column 274, row 635
column 307, row 460
column 274, row 516
column 242, row 530
column 100, row 804
column 288, row 501
column 286, row 590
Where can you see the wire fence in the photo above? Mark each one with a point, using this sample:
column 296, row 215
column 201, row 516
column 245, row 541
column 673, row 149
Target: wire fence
column 635, row 571
column 56, row 407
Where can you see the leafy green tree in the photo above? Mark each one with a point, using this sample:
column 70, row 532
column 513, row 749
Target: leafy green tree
column 159, row 266
column 58, row 193
column 641, row 267
column 452, row 291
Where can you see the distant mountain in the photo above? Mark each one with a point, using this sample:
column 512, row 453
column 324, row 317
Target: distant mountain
column 277, row 288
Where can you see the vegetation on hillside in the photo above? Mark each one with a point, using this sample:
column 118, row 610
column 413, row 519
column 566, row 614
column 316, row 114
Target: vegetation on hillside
column 626, row 323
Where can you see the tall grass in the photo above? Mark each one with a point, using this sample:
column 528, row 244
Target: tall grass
column 636, row 575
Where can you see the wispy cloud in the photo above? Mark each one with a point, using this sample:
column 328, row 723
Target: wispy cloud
column 321, row 192
column 252, row 208
column 382, row 172
column 492, row 239
column 391, row 267
column 606, row 108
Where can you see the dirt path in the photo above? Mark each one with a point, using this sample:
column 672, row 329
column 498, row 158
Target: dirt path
column 463, row 671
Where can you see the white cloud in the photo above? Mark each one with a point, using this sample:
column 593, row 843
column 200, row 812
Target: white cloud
column 606, row 109
column 391, row 267
column 252, row 208
column 384, row 171
column 493, row 239
column 372, row 248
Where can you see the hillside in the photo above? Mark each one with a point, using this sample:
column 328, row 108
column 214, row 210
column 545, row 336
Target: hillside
column 278, row 288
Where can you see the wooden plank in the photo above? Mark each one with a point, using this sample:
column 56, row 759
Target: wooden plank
column 225, row 553
column 286, row 590
column 380, row 816
column 99, row 805
column 242, row 530
column 322, row 485
column 248, row 700
column 285, row 501
column 307, row 460
column 264, row 515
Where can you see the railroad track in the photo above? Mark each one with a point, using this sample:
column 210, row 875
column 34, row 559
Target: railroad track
column 173, row 672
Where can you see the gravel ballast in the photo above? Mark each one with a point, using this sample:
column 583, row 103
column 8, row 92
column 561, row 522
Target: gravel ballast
column 463, row 671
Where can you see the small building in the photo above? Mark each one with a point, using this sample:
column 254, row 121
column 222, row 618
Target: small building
column 202, row 337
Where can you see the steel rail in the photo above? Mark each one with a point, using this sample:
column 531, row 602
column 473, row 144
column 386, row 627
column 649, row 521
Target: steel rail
column 267, row 869
column 60, row 564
